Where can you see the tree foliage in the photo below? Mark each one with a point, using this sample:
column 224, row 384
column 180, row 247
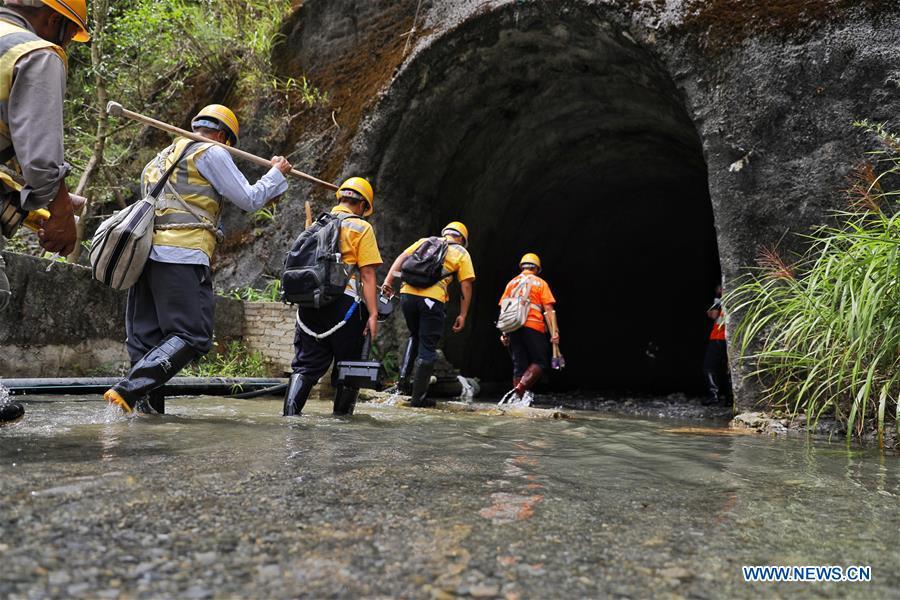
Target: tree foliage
column 165, row 58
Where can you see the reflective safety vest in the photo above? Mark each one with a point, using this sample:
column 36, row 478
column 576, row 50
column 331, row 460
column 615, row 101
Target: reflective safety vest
column 191, row 189
column 15, row 42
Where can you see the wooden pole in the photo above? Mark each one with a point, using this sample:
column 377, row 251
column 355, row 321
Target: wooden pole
column 117, row 110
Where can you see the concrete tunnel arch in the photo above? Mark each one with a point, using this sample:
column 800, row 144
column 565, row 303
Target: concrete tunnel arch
column 556, row 133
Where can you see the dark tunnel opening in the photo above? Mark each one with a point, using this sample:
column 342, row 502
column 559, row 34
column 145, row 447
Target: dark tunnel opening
column 567, row 139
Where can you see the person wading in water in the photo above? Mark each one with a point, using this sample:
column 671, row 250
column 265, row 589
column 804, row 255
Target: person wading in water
column 334, row 332
column 169, row 316
column 427, row 268
column 33, row 38
column 528, row 345
column 715, row 361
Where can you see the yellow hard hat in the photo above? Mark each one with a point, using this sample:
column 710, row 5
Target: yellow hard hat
column 531, row 259
column 73, row 10
column 459, row 228
column 222, row 116
column 357, row 186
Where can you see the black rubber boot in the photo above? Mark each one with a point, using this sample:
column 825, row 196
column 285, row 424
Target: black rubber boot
column 156, row 368
column 421, row 380
column 404, row 384
column 12, row 411
column 296, row 395
column 154, row 404
column 5, row 293
column 345, row 401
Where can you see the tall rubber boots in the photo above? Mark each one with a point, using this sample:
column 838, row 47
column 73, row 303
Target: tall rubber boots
column 421, row 379
column 153, row 404
column 296, row 395
column 404, row 384
column 5, row 293
column 157, row 367
column 530, row 378
column 345, row 401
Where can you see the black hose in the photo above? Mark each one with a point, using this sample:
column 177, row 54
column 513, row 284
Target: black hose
column 275, row 390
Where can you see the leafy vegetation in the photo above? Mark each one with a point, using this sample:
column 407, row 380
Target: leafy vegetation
column 823, row 332
column 235, row 361
column 166, row 59
column 270, row 293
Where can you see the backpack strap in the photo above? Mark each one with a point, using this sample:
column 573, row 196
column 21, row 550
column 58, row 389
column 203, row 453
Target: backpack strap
column 351, row 269
column 525, row 280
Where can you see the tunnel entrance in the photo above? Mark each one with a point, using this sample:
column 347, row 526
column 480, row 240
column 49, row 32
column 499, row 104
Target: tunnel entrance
column 560, row 135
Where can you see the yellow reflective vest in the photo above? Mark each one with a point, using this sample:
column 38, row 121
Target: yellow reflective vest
column 191, row 189
column 15, row 42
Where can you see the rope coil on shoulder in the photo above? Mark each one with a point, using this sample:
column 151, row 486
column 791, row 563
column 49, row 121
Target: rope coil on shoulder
column 321, row 336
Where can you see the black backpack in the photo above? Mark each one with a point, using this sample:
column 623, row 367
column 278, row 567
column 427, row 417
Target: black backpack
column 314, row 274
column 426, row 265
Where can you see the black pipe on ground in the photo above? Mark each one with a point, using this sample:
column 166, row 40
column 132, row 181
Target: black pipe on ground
column 246, row 387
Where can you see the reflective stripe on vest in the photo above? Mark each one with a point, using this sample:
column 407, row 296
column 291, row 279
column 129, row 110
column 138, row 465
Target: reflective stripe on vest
column 525, row 280
column 194, row 190
column 16, row 42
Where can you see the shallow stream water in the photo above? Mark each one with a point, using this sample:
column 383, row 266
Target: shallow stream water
column 225, row 498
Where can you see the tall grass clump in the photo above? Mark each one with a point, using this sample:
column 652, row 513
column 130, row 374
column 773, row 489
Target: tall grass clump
column 822, row 333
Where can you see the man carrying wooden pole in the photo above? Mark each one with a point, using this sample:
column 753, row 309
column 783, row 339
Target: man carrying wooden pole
column 169, row 317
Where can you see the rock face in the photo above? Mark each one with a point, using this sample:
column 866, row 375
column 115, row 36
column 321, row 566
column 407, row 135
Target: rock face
column 645, row 149
column 62, row 323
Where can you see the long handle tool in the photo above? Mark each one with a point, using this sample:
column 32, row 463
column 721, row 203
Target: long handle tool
column 117, row 110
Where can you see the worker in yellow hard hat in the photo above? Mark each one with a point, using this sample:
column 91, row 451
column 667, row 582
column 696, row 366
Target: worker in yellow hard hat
column 169, row 317
column 33, row 35
column 527, row 340
column 331, row 330
column 426, row 269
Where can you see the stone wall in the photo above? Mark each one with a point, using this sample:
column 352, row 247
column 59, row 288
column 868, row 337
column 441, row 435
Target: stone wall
column 62, row 323
column 269, row 329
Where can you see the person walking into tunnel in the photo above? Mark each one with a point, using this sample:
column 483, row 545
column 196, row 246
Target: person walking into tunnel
column 715, row 362
column 169, row 315
column 526, row 303
column 333, row 329
column 427, row 268
column 33, row 38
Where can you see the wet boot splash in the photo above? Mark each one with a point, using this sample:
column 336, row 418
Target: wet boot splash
column 156, row 368
column 521, row 393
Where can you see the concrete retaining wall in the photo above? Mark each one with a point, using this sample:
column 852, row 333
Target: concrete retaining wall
column 63, row 323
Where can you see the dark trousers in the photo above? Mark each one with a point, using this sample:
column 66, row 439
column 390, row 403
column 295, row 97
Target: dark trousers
column 170, row 299
column 312, row 357
column 425, row 324
column 715, row 368
column 528, row 346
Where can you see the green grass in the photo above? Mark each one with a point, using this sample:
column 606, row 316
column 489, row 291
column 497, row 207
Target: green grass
column 822, row 333
column 270, row 293
column 235, row 361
